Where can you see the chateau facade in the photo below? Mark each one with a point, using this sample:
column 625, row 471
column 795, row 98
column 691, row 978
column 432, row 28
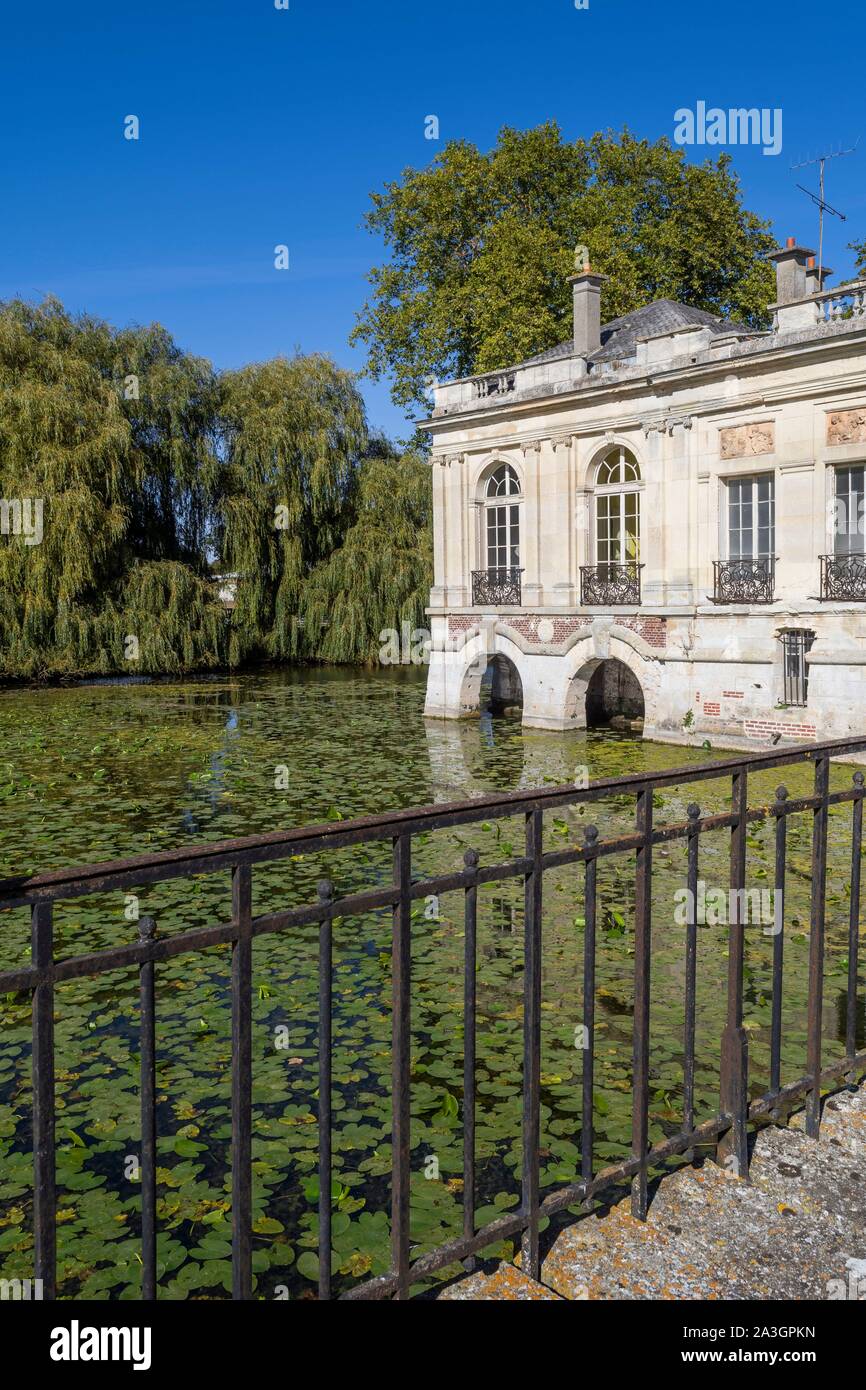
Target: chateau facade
column 663, row 516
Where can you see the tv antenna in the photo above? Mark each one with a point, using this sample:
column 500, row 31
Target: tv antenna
column 818, row 198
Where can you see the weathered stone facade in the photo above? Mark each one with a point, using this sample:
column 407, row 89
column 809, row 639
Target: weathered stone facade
column 713, row 419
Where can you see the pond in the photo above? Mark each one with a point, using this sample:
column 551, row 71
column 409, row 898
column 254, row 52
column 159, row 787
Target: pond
column 104, row 771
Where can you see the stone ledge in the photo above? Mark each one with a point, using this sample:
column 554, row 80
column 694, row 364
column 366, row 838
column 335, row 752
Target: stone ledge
column 796, row 1230
column 507, row 1283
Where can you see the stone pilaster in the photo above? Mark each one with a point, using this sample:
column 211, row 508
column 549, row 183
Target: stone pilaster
column 531, row 585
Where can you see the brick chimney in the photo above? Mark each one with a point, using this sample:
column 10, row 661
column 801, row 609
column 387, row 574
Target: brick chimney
column 586, row 287
column 792, row 264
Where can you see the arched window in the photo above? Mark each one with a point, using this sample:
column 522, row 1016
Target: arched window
column 617, row 509
column 502, row 519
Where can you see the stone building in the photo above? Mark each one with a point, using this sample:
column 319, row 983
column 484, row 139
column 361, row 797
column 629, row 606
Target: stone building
column 662, row 517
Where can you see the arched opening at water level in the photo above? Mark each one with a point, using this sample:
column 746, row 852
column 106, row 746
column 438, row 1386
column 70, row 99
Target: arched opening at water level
column 501, row 687
column 614, row 697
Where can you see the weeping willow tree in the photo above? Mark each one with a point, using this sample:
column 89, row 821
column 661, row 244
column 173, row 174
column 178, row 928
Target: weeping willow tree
column 294, row 431
column 115, row 483
column 380, row 576
column 144, row 473
column 171, row 401
column 64, row 452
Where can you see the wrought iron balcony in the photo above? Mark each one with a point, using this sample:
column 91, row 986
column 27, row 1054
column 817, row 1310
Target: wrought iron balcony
column 744, row 581
column 609, row 584
column 843, row 577
column 497, row 587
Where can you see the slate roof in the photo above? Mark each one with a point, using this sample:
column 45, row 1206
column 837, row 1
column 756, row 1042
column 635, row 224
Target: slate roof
column 619, row 337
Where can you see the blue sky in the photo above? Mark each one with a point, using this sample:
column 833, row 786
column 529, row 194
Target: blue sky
column 262, row 126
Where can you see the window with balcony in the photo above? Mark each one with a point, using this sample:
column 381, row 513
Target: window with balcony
column 843, row 574
column 748, row 573
column 499, row 582
column 615, row 576
column 502, row 519
column 617, row 510
column 848, row 510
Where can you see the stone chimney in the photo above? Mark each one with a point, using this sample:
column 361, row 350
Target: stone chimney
column 814, row 278
column 791, row 266
column 586, row 287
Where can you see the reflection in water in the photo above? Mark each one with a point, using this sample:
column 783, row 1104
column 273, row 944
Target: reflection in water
column 534, row 758
column 214, row 787
column 100, row 772
column 504, row 915
column 485, row 728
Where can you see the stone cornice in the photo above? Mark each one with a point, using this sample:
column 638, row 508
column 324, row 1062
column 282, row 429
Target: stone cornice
column 767, row 360
column 707, row 411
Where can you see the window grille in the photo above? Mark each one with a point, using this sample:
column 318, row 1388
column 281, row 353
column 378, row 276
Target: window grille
column 796, row 642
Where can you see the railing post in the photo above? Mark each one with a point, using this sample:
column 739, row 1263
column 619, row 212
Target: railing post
column 732, row 1151
column 854, row 924
column 326, row 894
column 470, row 915
column 778, row 940
column 147, row 1027
column 42, row 1061
column 640, row 1036
column 242, row 1082
column 694, row 815
column 531, row 1043
column 816, row 942
column 590, row 839
column 401, row 1039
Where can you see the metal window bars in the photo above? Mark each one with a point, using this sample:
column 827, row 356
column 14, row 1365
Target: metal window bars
column 796, row 643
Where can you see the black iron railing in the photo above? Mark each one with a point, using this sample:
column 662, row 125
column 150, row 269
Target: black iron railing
column 744, row 581
column 727, row 1127
column 608, row 584
column 496, row 586
column 843, row 577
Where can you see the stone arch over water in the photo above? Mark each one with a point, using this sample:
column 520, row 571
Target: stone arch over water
column 605, row 689
column 613, row 690
column 492, row 679
column 501, row 687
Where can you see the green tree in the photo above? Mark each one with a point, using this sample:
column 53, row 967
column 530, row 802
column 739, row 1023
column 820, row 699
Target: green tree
column 64, row 449
column 379, row 578
column 108, row 475
column 171, row 400
column 293, row 435
column 480, row 246
column 146, row 472
column 859, row 249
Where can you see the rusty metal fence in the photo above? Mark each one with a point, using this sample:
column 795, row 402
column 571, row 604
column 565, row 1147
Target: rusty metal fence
column 727, row 1128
